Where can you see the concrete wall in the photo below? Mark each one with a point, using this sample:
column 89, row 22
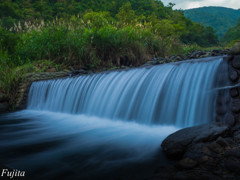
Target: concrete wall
column 30, row 78
column 228, row 98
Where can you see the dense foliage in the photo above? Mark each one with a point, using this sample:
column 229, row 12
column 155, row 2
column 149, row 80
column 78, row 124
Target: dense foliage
column 14, row 11
column 219, row 18
column 232, row 34
column 92, row 34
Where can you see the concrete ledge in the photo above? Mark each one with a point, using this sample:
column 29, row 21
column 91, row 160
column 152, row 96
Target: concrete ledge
column 25, row 85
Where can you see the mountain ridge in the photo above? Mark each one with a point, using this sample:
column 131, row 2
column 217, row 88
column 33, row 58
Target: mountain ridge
column 221, row 19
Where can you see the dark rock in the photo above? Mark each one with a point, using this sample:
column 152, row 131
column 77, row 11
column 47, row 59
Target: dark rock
column 209, row 132
column 124, row 67
column 233, row 75
column 236, row 62
column 235, row 106
column 230, row 120
column 228, row 58
column 215, row 147
column 78, row 72
column 237, row 138
column 163, row 59
column 152, row 62
column 221, row 110
column 234, row 152
column 232, row 164
column 219, row 119
column 179, row 58
column 222, row 99
column 163, row 172
column 208, row 54
column 206, row 150
column 215, row 51
column 146, row 65
column 205, row 159
column 197, row 151
column 177, row 143
column 225, row 52
column 230, row 141
column 237, row 121
column 195, row 174
column 234, row 92
column 186, row 163
column 194, row 151
column 196, row 54
column 236, row 48
column 171, row 57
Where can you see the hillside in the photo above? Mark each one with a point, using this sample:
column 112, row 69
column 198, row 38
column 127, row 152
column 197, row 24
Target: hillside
column 219, row 18
column 166, row 21
column 232, row 34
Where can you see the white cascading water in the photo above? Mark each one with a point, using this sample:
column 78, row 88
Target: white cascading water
column 105, row 125
column 177, row 94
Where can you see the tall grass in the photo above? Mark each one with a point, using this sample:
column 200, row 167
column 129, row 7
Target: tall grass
column 83, row 43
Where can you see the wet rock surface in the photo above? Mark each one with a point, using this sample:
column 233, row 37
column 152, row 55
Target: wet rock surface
column 176, row 144
column 194, row 55
column 236, row 48
column 207, row 152
column 236, row 62
column 233, row 75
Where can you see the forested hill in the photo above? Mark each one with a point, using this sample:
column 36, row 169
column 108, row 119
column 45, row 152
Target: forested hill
column 232, row 34
column 219, row 18
column 47, row 9
column 164, row 19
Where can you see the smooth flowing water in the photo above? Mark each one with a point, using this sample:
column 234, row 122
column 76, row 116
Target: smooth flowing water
column 108, row 123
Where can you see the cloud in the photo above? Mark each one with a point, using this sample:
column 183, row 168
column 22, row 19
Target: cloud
column 188, row 4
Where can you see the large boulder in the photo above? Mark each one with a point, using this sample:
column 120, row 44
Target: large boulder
column 235, row 106
column 236, row 62
column 236, row 48
column 233, row 75
column 175, row 145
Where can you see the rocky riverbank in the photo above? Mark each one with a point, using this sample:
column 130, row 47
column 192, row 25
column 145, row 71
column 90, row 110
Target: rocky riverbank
column 194, row 55
column 202, row 152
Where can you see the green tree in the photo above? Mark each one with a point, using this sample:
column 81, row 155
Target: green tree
column 97, row 19
column 126, row 15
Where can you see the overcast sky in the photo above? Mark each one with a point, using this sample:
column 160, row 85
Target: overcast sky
column 188, row 4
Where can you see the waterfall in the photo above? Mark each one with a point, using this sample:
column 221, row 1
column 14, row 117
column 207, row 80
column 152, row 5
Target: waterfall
column 107, row 124
column 180, row 94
